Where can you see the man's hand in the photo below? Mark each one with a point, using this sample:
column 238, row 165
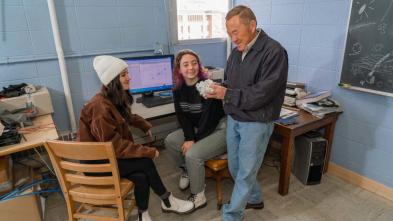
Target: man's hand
column 218, row 92
column 186, row 146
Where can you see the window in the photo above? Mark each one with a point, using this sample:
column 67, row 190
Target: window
column 198, row 19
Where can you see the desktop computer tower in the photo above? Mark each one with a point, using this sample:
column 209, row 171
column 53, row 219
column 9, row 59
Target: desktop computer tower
column 310, row 150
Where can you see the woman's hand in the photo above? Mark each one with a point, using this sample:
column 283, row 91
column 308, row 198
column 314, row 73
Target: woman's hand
column 149, row 134
column 186, row 146
column 157, row 155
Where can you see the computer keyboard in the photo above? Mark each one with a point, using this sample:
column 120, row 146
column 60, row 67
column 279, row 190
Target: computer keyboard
column 156, row 101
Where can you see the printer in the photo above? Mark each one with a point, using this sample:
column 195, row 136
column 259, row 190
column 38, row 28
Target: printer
column 40, row 99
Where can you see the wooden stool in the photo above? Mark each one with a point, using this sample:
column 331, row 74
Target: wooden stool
column 218, row 170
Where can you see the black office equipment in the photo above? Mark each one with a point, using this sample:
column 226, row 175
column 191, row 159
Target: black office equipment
column 368, row 58
column 10, row 135
column 151, row 74
column 309, row 158
column 154, row 101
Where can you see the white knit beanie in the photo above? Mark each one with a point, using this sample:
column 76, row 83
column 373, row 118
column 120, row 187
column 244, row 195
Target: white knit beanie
column 108, row 67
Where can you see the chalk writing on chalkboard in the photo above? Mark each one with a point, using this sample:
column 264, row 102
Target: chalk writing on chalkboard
column 368, row 58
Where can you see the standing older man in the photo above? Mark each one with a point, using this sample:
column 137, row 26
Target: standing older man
column 256, row 75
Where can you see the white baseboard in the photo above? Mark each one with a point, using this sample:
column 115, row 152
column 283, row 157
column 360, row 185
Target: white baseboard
column 361, row 181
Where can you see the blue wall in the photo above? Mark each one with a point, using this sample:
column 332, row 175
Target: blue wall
column 313, row 32
column 88, row 28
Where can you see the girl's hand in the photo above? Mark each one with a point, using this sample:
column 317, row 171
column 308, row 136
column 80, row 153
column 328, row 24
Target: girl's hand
column 157, row 154
column 186, row 146
column 149, row 134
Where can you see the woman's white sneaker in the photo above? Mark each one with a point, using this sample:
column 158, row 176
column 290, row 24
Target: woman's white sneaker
column 198, row 199
column 178, row 206
column 144, row 216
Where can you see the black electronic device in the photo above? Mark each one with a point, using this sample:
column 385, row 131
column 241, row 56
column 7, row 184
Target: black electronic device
column 154, row 101
column 9, row 137
column 308, row 165
column 151, row 74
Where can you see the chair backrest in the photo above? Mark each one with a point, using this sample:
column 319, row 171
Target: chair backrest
column 76, row 163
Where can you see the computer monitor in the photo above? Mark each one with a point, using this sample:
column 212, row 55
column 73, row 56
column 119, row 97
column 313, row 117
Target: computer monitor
column 148, row 75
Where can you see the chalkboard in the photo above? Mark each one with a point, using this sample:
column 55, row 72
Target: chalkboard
column 368, row 58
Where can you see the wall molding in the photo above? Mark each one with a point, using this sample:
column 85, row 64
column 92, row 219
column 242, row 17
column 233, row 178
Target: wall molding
column 361, row 181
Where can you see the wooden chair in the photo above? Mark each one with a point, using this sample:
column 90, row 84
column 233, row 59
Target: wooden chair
column 85, row 194
column 218, row 170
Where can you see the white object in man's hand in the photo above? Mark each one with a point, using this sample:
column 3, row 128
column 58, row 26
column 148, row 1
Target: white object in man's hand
column 217, row 92
column 204, row 87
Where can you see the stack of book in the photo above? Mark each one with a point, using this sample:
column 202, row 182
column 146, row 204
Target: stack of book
column 319, row 104
column 313, row 97
column 291, row 93
column 290, row 97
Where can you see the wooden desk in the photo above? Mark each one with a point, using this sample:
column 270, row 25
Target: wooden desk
column 43, row 129
column 306, row 123
column 46, row 131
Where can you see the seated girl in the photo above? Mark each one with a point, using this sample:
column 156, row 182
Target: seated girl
column 108, row 117
column 203, row 126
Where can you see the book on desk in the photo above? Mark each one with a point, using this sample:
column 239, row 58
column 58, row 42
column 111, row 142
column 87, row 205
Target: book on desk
column 287, row 116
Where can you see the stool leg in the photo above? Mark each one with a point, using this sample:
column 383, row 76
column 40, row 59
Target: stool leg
column 219, row 191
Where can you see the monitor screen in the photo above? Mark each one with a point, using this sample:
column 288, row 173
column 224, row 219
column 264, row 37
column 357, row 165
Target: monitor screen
column 149, row 74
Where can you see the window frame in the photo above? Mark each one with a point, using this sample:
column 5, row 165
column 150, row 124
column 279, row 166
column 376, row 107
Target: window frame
column 173, row 27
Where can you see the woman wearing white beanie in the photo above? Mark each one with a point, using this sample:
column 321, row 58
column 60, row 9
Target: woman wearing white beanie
column 107, row 117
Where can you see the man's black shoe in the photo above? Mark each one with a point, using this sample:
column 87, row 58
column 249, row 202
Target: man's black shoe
column 255, row 205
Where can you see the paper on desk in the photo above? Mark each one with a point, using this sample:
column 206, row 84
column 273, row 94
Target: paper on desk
column 285, row 113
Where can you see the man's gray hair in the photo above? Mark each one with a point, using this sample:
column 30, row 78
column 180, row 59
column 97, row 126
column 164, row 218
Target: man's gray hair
column 245, row 13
